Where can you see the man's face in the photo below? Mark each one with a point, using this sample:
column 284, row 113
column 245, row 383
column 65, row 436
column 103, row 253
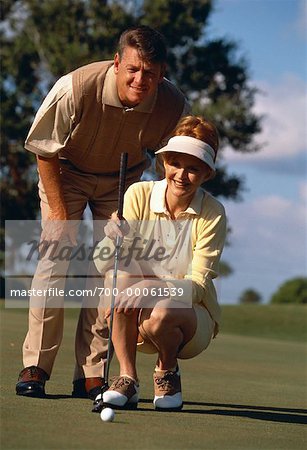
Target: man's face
column 136, row 79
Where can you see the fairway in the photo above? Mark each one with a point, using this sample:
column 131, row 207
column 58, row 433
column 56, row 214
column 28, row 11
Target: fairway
column 245, row 392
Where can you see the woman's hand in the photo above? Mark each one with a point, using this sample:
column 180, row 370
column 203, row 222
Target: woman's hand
column 116, row 227
column 127, row 301
column 139, row 295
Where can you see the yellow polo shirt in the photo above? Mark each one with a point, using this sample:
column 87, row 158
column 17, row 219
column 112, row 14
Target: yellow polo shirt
column 193, row 242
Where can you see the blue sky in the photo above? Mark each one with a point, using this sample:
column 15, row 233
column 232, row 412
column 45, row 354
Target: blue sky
column 271, row 33
column 268, row 241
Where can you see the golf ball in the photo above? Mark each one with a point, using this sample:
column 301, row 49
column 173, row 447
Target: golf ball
column 107, row 415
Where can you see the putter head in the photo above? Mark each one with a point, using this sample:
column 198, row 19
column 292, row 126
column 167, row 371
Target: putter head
column 98, row 402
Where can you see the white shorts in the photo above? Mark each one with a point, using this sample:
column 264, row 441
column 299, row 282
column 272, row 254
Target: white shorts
column 198, row 343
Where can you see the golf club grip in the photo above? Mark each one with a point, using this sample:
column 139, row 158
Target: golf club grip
column 122, row 182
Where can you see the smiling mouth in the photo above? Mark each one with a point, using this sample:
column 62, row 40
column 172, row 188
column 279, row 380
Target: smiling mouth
column 181, row 185
column 138, row 89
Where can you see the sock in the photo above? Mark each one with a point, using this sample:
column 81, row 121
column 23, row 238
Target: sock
column 133, row 379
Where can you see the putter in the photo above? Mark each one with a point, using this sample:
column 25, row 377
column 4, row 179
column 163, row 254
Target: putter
column 98, row 404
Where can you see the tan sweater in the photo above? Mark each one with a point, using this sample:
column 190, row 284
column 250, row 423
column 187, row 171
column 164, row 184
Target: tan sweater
column 83, row 120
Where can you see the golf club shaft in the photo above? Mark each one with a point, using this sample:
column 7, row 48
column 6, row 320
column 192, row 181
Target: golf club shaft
column 121, row 192
column 122, row 183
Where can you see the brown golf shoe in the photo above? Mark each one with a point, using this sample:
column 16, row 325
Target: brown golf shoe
column 31, row 382
column 122, row 394
column 87, row 387
column 167, row 386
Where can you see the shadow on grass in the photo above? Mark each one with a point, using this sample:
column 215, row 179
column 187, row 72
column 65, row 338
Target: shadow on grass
column 57, row 396
column 268, row 413
column 272, row 414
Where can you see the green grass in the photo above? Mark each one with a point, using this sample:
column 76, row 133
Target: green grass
column 286, row 322
column 245, row 392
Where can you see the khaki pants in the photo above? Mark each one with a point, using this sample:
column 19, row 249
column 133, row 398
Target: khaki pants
column 45, row 331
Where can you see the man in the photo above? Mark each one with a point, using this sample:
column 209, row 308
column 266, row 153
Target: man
column 87, row 120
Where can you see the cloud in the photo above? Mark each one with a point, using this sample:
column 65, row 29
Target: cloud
column 301, row 23
column 298, row 25
column 284, row 125
column 268, row 244
column 271, row 220
column 271, row 207
column 303, row 192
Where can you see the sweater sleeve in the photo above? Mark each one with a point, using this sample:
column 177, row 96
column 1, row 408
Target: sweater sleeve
column 208, row 237
column 210, row 231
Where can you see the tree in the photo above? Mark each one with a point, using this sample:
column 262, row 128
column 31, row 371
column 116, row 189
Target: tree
column 250, row 296
column 292, row 291
column 225, row 270
column 42, row 40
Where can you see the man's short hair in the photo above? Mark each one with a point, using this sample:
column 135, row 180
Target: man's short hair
column 149, row 43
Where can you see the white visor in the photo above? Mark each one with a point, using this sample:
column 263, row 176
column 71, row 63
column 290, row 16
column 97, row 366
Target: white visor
column 191, row 146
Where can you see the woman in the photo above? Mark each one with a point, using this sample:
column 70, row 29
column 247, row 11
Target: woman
column 173, row 238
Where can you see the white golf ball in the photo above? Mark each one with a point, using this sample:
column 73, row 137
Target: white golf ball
column 107, row 415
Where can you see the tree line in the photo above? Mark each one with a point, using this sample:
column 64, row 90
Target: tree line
column 291, row 291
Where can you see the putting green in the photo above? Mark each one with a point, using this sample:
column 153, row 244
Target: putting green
column 244, row 392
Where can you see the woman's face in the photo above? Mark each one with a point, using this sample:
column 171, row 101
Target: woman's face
column 184, row 174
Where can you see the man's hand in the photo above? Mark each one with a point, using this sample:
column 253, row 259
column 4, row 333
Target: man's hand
column 58, row 228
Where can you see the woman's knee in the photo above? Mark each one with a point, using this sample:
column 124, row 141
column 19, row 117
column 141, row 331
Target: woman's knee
column 159, row 321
